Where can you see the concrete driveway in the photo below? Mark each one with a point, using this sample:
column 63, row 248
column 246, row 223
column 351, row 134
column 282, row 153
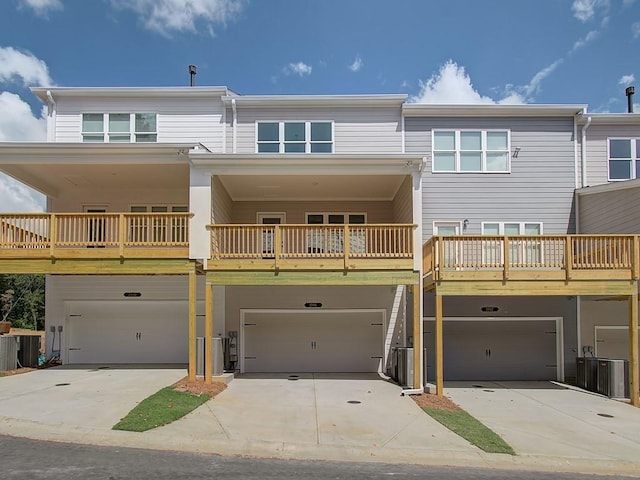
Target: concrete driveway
column 546, row 419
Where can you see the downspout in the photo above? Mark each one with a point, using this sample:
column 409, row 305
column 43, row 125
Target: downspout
column 51, row 121
column 584, row 152
column 234, row 125
column 575, row 152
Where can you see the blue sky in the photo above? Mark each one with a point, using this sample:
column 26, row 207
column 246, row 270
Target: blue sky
column 437, row 51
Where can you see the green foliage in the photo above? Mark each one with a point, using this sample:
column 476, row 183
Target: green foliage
column 22, row 300
column 471, row 429
column 161, row 408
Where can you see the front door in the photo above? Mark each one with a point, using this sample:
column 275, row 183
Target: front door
column 268, row 234
column 451, row 248
column 96, row 227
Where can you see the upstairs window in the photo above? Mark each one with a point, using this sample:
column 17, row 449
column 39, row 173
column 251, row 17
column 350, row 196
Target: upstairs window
column 624, row 158
column 294, row 137
column 471, row 151
column 120, row 127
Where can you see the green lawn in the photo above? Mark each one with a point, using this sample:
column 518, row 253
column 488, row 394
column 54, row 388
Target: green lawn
column 2, row 374
column 161, row 408
column 471, row 429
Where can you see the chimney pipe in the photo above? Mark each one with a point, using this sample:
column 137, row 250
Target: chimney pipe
column 192, row 75
column 629, row 93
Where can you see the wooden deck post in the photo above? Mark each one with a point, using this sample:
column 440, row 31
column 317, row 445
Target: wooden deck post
column 634, row 375
column 192, row 326
column 208, row 333
column 439, row 347
column 417, row 337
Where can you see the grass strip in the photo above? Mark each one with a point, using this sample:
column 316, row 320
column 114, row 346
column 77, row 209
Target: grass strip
column 159, row 409
column 2, row 374
column 471, row 429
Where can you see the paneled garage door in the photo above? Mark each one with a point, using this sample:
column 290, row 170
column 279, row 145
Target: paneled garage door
column 127, row 332
column 481, row 349
column 304, row 341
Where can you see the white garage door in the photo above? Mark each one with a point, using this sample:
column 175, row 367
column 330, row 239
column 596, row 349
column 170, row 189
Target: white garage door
column 481, row 349
column 302, row 341
column 127, row 332
column 612, row 342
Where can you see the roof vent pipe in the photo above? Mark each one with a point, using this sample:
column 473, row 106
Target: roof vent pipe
column 192, row 75
column 629, row 91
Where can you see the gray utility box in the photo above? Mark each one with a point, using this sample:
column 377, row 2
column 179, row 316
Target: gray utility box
column 587, row 373
column 8, row 352
column 402, row 366
column 613, row 378
column 217, row 356
column 28, row 350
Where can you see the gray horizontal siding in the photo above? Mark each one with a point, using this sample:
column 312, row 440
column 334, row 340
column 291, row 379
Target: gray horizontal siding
column 538, row 189
column 180, row 120
column 357, row 130
column 403, row 203
column 610, row 212
column 597, row 156
column 377, row 212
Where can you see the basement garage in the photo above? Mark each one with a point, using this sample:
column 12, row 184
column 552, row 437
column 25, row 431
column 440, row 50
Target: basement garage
column 498, row 349
column 126, row 332
column 311, row 341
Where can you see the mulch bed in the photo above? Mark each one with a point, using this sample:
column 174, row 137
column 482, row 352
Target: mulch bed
column 427, row 400
column 198, row 387
column 8, row 373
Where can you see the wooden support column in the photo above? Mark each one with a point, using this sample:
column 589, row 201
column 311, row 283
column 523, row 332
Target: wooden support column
column 208, row 333
column 192, row 325
column 439, row 347
column 417, row 337
column 634, row 375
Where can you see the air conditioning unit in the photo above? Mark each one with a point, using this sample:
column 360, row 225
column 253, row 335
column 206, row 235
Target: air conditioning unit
column 587, row 373
column 8, row 352
column 613, row 378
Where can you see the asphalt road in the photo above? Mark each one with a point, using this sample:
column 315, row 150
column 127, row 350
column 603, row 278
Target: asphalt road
column 30, row 459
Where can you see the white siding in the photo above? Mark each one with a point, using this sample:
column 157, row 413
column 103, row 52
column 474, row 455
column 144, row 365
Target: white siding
column 357, row 130
column 180, row 120
column 377, row 212
column 597, row 160
column 221, row 203
column 538, row 189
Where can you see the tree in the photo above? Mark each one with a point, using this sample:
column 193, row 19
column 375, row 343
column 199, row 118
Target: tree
column 22, row 300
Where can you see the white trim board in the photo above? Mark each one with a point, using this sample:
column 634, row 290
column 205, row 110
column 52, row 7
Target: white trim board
column 559, row 333
column 245, row 311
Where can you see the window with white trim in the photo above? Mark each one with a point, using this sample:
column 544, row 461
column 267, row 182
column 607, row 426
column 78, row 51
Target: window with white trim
column 623, row 158
column 294, row 137
column 521, row 252
column 332, row 240
column 159, row 228
column 119, row 127
column 471, row 151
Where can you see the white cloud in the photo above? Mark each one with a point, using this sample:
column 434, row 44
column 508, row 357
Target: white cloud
column 169, row 16
column 41, row 7
column 533, row 86
column 17, row 123
column 24, row 66
column 298, row 68
column 635, row 30
column 584, row 41
column 357, row 64
column 585, row 10
column 452, row 85
column 627, row 79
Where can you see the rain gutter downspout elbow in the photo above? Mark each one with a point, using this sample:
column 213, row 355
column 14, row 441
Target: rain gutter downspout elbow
column 234, row 124
column 583, row 152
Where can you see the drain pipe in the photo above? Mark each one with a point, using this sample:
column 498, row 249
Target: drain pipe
column 584, row 151
column 234, row 124
column 411, row 391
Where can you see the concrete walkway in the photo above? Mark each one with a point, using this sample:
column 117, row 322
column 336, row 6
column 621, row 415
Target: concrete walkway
column 329, row 416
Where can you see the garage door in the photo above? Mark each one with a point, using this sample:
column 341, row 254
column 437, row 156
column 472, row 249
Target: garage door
column 612, row 342
column 127, row 332
column 338, row 341
column 497, row 350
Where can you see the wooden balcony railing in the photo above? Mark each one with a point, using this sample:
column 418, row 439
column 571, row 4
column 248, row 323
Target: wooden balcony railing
column 549, row 256
column 312, row 246
column 69, row 235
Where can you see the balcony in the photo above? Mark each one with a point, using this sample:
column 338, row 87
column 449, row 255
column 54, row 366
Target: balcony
column 598, row 262
column 311, row 247
column 94, row 236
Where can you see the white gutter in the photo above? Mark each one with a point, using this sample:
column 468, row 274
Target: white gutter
column 234, row 125
column 51, row 120
column 584, row 152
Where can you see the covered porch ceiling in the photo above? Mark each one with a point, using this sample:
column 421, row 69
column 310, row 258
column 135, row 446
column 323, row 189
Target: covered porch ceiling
column 312, row 187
